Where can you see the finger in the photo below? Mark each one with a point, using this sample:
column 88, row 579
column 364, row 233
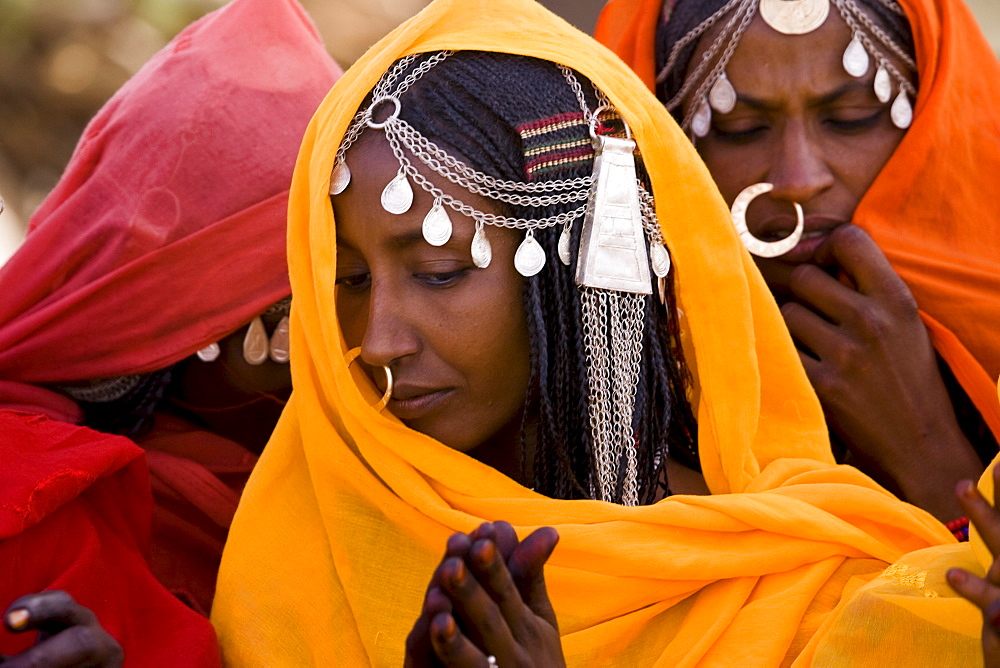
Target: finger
column 476, row 612
column 973, row 588
column 527, row 565
column 419, row 649
column 50, row 611
column 860, row 257
column 75, row 646
column 457, row 546
column 505, row 539
column 491, row 572
column 981, row 514
column 451, row 646
column 811, row 331
column 824, row 294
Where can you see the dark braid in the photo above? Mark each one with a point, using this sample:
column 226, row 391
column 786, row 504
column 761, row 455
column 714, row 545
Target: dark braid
column 472, row 104
column 689, row 14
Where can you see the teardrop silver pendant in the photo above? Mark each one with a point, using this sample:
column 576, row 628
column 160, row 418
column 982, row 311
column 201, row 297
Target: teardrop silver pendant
column 280, row 342
column 340, row 178
column 701, row 122
column 901, row 112
column 722, row 96
column 856, row 60
column 883, row 85
column 564, row 241
column 660, row 259
column 209, row 353
column 437, row 225
column 256, row 344
column 530, row 257
column 482, row 251
column 397, row 197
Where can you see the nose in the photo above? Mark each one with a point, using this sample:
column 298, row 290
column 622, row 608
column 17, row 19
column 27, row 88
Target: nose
column 390, row 335
column 800, row 170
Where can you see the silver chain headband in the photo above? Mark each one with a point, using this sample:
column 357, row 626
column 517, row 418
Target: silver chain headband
column 709, row 88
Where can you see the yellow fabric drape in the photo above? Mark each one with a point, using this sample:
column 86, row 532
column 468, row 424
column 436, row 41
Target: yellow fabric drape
column 347, row 513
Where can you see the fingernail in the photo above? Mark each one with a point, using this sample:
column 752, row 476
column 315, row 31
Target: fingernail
column 956, row 575
column 966, row 489
column 485, row 552
column 450, row 629
column 458, row 576
column 18, row 619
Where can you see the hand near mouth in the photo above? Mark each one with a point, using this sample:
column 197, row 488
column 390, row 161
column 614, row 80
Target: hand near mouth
column 870, row 359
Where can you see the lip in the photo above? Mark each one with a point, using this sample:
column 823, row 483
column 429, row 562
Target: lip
column 816, row 230
column 411, row 402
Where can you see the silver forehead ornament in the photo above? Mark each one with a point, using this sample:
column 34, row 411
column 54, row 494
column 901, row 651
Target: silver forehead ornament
column 794, row 17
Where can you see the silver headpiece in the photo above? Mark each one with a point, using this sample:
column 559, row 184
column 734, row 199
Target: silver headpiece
column 613, row 269
column 709, row 88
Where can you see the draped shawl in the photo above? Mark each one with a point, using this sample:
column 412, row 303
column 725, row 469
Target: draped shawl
column 347, row 513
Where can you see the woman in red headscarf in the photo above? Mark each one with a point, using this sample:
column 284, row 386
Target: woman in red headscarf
column 880, row 122
column 164, row 238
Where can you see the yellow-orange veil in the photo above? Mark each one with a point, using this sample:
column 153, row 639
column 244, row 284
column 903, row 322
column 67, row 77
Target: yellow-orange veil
column 347, row 513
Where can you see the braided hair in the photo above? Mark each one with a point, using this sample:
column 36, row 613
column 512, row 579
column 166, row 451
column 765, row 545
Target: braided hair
column 686, row 15
column 488, row 108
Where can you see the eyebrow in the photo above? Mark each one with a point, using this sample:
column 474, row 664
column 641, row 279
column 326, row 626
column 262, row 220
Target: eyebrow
column 400, row 241
column 761, row 104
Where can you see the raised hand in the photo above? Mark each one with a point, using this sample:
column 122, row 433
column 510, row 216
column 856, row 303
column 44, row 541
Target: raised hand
column 871, row 362
column 983, row 592
column 68, row 633
column 487, row 604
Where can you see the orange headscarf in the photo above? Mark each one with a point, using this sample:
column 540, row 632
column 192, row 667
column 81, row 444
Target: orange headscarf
column 934, row 210
column 346, row 515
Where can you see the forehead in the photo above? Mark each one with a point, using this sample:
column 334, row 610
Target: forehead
column 769, row 57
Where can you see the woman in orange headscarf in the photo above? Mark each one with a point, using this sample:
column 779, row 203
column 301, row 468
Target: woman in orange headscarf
column 165, row 235
column 344, row 521
column 879, row 121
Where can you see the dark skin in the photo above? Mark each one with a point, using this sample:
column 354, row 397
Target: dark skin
column 455, row 337
column 68, row 633
column 821, row 137
column 230, row 396
column 984, row 593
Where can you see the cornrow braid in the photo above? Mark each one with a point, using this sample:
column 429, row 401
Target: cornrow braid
column 515, row 118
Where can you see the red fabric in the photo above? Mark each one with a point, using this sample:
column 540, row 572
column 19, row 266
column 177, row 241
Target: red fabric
column 166, row 232
column 197, row 478
column 74, row 515
column 934, row 207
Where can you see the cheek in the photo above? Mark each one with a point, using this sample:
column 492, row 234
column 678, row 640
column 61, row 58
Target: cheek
column 732, row 167
column 352, row 314
column 498, row 349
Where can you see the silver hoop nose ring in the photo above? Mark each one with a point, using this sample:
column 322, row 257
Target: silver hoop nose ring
column 753, row 244
column 352, row 355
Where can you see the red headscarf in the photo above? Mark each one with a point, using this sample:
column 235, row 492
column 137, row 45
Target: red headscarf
column 167, row 230
column 934, row 209
column 166, row 233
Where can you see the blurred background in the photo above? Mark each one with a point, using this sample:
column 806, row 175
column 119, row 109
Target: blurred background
column 61, row 59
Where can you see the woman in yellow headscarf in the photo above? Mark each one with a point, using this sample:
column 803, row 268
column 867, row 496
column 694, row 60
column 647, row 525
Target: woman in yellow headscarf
column 499, row 363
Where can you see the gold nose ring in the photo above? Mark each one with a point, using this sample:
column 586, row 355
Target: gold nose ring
column 352, row 355
column 753, row 244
